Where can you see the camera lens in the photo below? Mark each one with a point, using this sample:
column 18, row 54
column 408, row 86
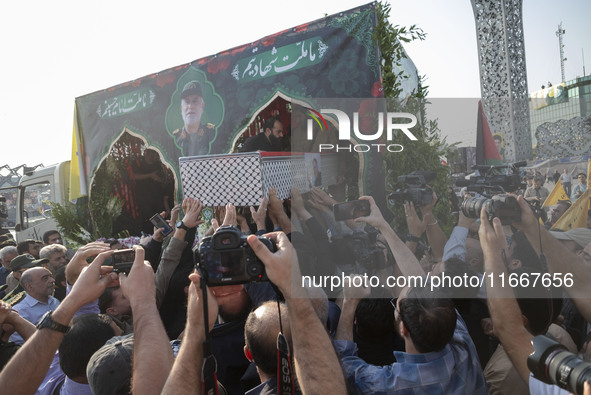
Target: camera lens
column 471, row 207
column 552, row 364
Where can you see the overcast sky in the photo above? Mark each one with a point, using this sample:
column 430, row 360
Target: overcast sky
column 56, row 51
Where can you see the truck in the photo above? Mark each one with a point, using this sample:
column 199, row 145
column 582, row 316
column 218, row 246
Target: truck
column 118, row 128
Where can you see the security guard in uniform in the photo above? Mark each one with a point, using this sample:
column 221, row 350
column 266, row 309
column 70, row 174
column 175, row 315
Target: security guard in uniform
column 194, row 137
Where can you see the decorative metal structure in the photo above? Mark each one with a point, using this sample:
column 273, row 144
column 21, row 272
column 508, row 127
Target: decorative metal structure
column 503, row 76
column 564, row 138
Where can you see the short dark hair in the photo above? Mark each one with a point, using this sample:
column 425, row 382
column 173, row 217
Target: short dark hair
column 106, row 299
column 270, row 123
column 429, row 318
column 374, row 318
column 47, row 234
column 87, row 334
column 23, row 246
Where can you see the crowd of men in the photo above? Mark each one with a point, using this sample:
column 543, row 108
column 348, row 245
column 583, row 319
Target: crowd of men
column 71, row 325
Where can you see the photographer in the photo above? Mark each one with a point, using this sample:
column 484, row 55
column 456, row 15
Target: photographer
column 536, row 192
column 318, row 371
column 432, row 332
column 505, row 312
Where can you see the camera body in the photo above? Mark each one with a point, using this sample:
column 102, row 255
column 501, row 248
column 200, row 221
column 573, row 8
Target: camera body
column 358, row 252
column 504, row 207
column 122, row 260
column 417, row 190
column 551, row 363
column 351, row 210
column 226, row 258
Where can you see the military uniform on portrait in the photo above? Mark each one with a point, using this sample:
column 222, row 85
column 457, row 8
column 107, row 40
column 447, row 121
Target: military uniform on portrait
column 193, row 144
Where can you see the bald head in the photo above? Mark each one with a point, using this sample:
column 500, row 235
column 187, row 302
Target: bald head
column 260, row 334
column 38, row 282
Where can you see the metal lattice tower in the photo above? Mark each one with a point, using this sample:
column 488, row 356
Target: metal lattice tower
column 559, row 33
column 503, row 76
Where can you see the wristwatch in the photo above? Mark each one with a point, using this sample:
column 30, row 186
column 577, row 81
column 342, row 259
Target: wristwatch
column 410, row 237
column 47, row 322
column 182, row 225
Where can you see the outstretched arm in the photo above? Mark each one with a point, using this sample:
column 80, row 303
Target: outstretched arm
column 152, row 354
column 503, row 307
column 28, row 367
column 560, row 259
column 405, row 258
column 185, row 376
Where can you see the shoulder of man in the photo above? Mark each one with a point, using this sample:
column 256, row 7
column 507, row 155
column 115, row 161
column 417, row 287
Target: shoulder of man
column 206, row 128
column 14, row 298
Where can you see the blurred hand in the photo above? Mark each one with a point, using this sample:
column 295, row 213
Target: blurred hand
column 192, row 209
column 230, row 216
column 259, row 215
column 428, row 208
column 351, row 292
column 464, row 221
column 529, row 222
column 375, row 217
column 174, row 215
column 278, row 264
column 91, row 249
column 195, row 305
column 492, row 237
column 416, row 227
column 322, row 197
column 93, row 280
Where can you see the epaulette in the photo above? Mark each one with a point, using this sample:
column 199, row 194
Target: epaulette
column 14, row 299
column 177, row 131
column 210, row 125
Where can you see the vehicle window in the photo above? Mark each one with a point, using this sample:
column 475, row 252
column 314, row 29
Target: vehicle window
column 36, row 202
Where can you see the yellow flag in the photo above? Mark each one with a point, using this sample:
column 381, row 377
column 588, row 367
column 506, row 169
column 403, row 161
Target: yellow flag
column 576, row 215
column 75, row 189
column 556, row 195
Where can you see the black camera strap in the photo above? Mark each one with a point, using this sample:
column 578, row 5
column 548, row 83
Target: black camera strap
column 285, row 383
column 209, row 381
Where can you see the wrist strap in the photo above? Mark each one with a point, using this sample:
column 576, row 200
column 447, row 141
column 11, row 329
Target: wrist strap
column 209, row 381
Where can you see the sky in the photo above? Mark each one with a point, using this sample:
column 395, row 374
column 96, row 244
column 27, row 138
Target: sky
column 53, row 52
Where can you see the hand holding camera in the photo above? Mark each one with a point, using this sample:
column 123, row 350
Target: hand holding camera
column 226, row 258
column 375, row 217
column 138, row 286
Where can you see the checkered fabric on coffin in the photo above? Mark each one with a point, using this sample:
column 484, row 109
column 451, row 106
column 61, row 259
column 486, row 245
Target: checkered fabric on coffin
column 220, row 179
column 282, row 172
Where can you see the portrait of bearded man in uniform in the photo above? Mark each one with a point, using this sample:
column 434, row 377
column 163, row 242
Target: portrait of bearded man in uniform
column 194, row 137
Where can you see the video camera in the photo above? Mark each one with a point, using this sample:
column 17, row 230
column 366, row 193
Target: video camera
column 490, row 182
column 551, row 363
column 494, row 187
column 226, row 258
column 417, row 192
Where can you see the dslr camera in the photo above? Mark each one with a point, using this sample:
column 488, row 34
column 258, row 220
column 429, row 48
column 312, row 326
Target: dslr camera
column 417, row 190
column 551, row 363
column 226, row 258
